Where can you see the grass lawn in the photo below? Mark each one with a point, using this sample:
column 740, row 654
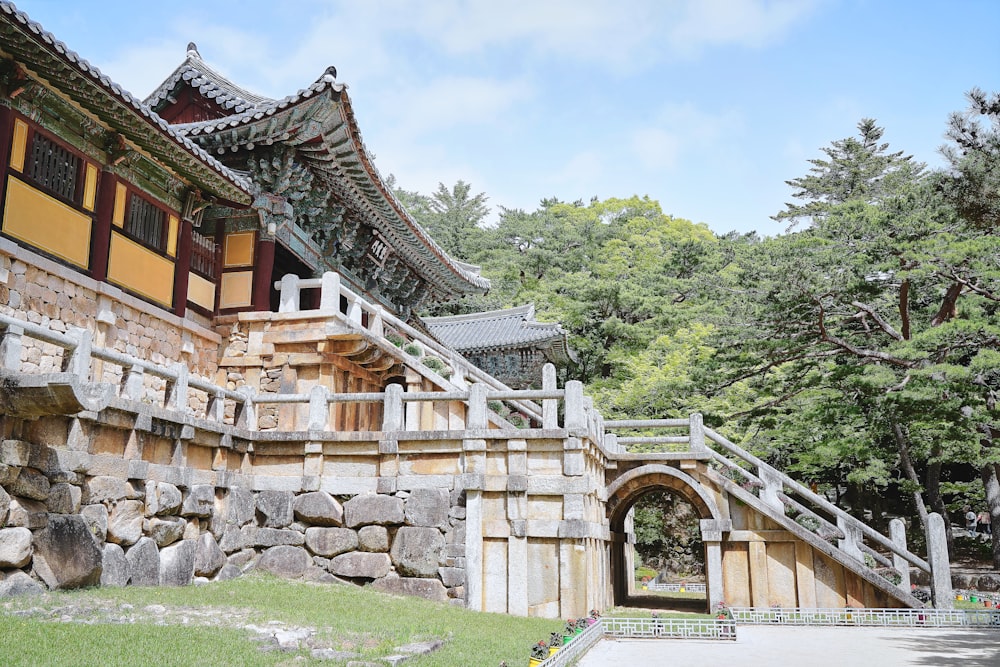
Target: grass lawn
column 207, row 625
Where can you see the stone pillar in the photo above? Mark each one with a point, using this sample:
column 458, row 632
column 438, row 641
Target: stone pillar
column 288, row 302
column 576, row 417
column 550, row 407
column 329, row 295
column 412, row 408
column 711, row 537
column 897, row 533
column 319, row 408
column 392, row 410
column 937, row 556
column 517, row 514
column 10, row 348
column 697, row 433
column 474, row 549
column 477, row 418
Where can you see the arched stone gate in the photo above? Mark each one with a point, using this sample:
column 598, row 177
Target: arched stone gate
column 624, row 491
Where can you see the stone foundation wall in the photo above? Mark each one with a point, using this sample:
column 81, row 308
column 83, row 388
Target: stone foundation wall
column 65, row 525
column 53, row 296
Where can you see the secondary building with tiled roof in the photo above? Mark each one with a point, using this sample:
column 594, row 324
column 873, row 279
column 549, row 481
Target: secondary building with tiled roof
column 508, row 344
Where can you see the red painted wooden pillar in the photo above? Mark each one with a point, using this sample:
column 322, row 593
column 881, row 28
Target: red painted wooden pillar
column 100, row 237
column 6, row 137
column 182, row 268
column 262, row 275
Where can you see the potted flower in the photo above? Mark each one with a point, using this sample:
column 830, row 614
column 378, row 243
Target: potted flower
column 539, row 652
column 555, row 643
column 594, row 617
column 569, row 632
column 722, row 612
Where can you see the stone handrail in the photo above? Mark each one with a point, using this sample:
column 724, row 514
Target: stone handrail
column 375, row 319
column 773, row 480
column 776, row 489
column 79, row 354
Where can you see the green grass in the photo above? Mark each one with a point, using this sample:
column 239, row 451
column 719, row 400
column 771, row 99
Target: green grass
column 346, row 617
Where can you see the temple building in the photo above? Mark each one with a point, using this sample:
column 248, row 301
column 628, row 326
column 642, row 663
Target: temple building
column 508, row 344
column 319, row 204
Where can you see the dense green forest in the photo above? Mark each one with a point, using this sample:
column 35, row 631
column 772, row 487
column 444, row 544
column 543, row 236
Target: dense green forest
column 859, row 351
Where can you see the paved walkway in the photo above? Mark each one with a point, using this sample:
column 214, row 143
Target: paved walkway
column 770, row 646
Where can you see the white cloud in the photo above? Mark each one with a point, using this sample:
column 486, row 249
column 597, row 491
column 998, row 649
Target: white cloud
column 656, row 148
column 681, row 129
column 583, row 173
column 752, row 23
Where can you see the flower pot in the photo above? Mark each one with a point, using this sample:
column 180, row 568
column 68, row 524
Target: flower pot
column 973, row 598
column 534, row 662
column 567, row 639
column 553, row 650
column 577, row 631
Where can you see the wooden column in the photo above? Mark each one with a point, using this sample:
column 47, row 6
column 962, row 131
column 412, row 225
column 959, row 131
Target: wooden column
column 262, row 274
column 182, row 268
column 6, row 137
column 100, row 239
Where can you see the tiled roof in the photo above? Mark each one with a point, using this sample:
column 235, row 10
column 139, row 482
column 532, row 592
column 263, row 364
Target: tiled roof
column 87, row 86
column 320, row 112
column 513, row 327
column 196, row 73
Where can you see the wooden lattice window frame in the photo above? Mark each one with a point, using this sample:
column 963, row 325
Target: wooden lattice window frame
column 146, row 222
column 54, row 167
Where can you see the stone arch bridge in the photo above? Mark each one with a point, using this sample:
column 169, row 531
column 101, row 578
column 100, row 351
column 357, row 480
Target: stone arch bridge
column 118, row 470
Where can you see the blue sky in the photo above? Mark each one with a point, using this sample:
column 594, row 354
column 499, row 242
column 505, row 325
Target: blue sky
column 707, row 106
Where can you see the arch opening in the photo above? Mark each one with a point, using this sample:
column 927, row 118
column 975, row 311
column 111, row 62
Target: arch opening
column 649, row 485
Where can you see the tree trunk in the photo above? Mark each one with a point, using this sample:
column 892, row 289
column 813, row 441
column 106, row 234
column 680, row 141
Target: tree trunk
column 906, row 463
column 990, row 474
column 936, row 500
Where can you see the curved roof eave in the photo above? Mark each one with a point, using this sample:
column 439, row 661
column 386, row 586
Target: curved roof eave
column 453, row 277
column 142, row 126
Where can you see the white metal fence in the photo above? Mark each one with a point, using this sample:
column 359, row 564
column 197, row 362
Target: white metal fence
column 935, row 618
column 676, row 588
column 669, row 628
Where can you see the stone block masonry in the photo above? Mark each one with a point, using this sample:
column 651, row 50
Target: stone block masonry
column 66, row 527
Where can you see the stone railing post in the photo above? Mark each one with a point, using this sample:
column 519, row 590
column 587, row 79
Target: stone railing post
column 329, row 292
column 132, row 383
column 696, row 433
column 319, row 408
column 376, row 322
column 246, row 415
column 937, row 557
column 289, row 299
column 177, row 390
column 392, row 408
column 412, row 408
column 10, row 348
column 457, row 372
column 897, row 533
column 354, row 310
column 78, row 360
column 576, row 416
column 772, row 487
column 216, row 408
column 849, row 544
column 550, row 406
column 477, row 418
